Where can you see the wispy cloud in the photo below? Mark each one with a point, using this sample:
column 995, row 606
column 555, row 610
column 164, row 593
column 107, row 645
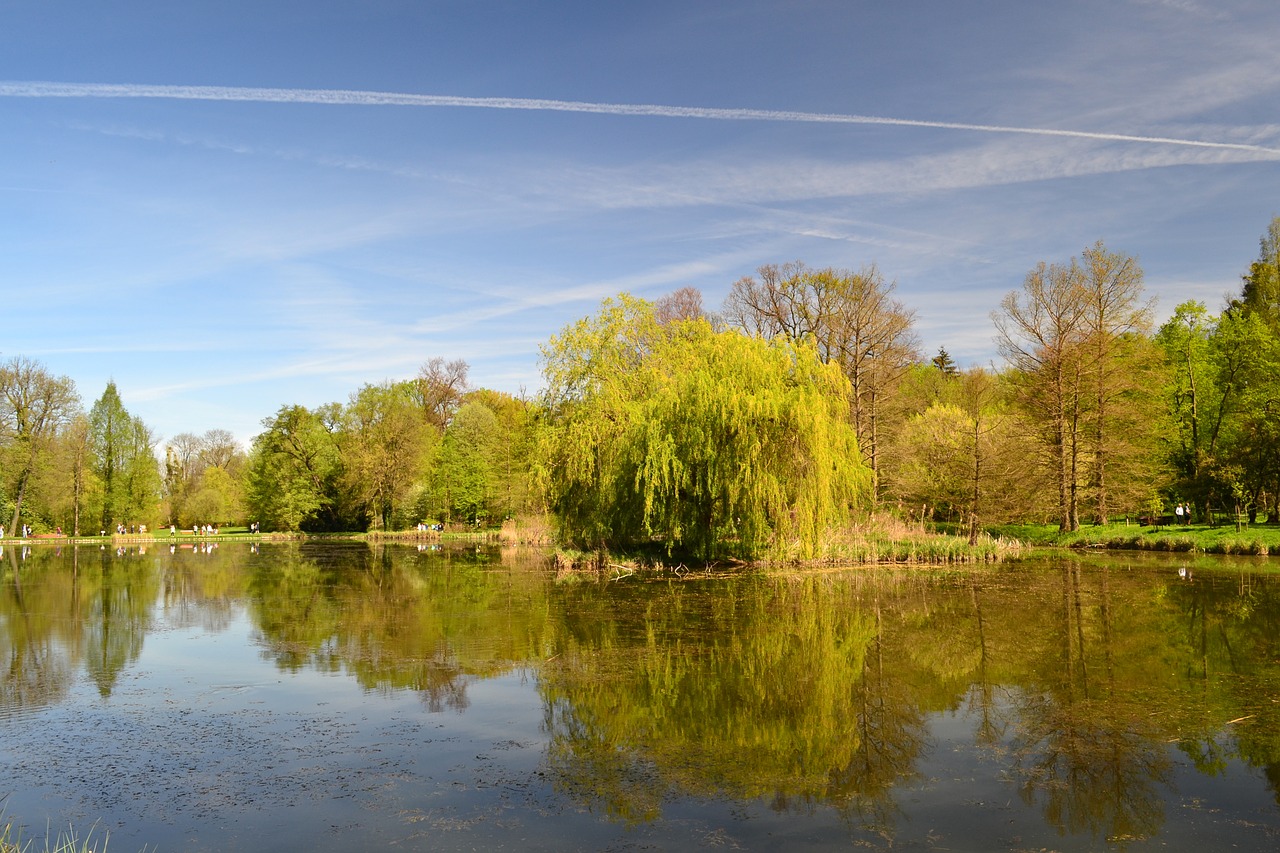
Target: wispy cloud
column 782, row 180
column 344, row 97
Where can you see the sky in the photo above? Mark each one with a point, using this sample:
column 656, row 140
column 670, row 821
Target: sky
column 229, row 207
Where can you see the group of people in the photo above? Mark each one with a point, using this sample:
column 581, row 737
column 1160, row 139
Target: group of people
column 1182, row 512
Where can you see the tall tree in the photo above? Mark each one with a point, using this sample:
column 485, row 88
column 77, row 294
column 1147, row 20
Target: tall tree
column 34, row 406
column 386, row 447
column 1243, row 440
column 294, row 478
column 964, row 455
column 510, row 449
column 1261, row 291
column 709, row 441
column 1041, row 332
column 944, row 362
column 466, row 474
column 1190, row 392
column 852, row 320
column 439, row 388
column 142, row 473
column 124, row 461
column 110, row 431
column 1077, row 337
column 1118, row 325
column 1243, row 356
column 78, row 465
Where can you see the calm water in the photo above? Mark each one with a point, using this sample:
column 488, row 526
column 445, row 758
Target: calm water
column 345, row 697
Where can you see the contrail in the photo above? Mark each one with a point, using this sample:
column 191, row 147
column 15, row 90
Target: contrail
column 35, row 89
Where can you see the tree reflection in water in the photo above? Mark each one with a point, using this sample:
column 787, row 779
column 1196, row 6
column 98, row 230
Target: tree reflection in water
column 1081, row 682
column 1086, row 748
column 818, row 691
column 781, row 691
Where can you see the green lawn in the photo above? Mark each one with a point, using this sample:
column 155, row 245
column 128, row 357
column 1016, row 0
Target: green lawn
column 1259, row 539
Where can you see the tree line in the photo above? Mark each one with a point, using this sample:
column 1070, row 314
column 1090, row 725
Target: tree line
column 803, row 402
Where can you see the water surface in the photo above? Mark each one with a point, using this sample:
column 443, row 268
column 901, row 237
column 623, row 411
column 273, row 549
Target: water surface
column 338, row 697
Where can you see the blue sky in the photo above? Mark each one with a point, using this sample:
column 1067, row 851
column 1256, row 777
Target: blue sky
column 184, row 209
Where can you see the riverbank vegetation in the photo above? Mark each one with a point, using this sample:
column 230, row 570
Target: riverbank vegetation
column 778, row 427
column 11, row 841
column 1239, row 539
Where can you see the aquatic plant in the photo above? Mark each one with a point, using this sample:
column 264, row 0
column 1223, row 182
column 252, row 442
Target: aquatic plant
column 68, row 841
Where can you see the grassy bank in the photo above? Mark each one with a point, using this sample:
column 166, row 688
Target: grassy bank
column 234, row 535
column 881, row 541
column 528, row 530
column 1257, row 539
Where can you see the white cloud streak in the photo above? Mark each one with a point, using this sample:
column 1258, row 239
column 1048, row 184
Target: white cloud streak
column 344, row 97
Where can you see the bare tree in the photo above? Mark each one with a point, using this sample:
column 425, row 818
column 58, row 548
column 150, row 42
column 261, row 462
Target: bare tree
column 784, row 301
column 1118, row 322
column 852, row 319
column 1042, row 333
column 875, row 344
column 439, row 388
column 679, row 305
column 1078, row 339
column 186, row 448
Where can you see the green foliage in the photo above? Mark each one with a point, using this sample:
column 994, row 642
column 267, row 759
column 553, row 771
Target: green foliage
column 510, row 454
column 1261, row 291
column 465, row 478
column 217, row 499
column 34, row 407
column 1076, row 337
column 709, row 442
column 1223, row 391
column 386, row 448
column 482, row 472
column 965, row 456
column 293, row 473
column 124, row 462
column 204, row 478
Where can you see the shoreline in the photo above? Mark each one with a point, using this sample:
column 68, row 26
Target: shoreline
column 187, row 538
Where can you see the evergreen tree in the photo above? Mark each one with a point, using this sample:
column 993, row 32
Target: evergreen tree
column 945, row 363
column 124, row 462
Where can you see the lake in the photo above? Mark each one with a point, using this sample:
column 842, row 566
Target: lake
column 340, row 696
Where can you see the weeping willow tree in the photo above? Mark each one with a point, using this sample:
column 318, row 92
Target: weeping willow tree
column 712, row 443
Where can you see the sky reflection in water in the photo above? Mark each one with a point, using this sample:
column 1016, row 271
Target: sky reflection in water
column 319, row 697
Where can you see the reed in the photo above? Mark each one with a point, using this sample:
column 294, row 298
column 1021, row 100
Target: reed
column 68, row 841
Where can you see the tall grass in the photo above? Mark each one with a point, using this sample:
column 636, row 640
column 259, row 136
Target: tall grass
column 535, row 530
column 880, row 540
column 887, row 539
column 11, row 841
